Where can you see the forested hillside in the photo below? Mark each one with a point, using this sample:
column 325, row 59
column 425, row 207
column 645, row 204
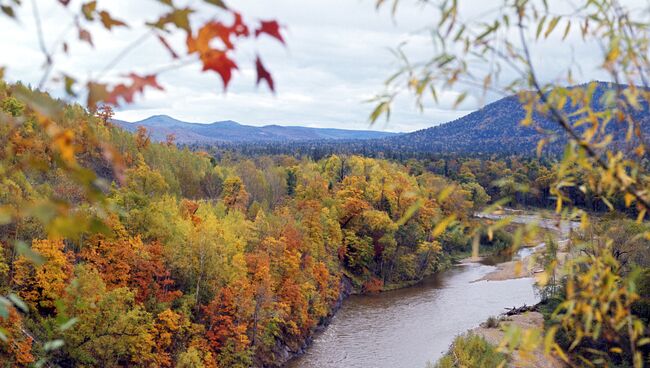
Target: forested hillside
column 173, row 258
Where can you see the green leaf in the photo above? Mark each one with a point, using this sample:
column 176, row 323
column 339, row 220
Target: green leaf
column 69, row 323
column 460, row 99
column 15, row 300
column 219, row 3
column 53, row 345
column 9, row 11
column 566, row 30
column 24, row 250
column 540, row 26
column 551, row 26
column 4, row 311
column 381, row 109
column 69, row 84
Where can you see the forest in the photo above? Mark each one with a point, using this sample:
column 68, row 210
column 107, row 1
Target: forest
column 121, row 249
column 191, row 261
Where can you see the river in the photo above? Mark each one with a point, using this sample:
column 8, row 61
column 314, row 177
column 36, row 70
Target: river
column 412, row 326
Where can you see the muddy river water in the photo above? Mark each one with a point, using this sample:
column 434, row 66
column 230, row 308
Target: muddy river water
column 413, row 326
column 408, row 327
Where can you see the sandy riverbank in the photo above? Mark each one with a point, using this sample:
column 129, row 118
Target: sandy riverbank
column 528, row 320
column 527, row 266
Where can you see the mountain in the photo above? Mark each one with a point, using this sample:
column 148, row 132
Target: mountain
column 493, row 129
column 160, row 126
column 496, row 128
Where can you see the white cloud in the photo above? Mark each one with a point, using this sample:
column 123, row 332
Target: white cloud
column 336, row 58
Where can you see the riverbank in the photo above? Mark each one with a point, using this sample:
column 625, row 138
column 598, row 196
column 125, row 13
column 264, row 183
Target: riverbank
column 417, row 322
column 526, row 266
column 494, row 334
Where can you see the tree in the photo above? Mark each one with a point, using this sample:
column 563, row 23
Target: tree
column 105, row 113
column 587, row 116
column 234, row 194
column 42, row 285
column 111, row 328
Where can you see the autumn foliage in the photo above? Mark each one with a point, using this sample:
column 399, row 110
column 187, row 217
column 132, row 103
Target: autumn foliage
column 178, row 259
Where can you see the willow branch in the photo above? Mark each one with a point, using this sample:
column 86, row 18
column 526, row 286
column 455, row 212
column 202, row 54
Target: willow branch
column 41, row 43
column 566, row 125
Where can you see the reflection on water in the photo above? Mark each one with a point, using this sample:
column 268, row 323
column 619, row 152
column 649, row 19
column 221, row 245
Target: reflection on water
column 408, row 327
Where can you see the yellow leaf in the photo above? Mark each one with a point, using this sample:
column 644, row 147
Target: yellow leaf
column 542, row 278
column 540, row 146
column 442, row 225
column 445, row 193
column 64, row 144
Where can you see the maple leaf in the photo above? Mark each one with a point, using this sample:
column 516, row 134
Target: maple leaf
column 96, row 92
column 120, row 91
column 239, row 28
column 109, row 22
column 263, row 74
column 88, row 9
column 178, row 17
column 84, row 35
column 206, row 34
column 219, row 62
column 271, row 28
column 139, row 83
column 127, row 92
column 218, row 3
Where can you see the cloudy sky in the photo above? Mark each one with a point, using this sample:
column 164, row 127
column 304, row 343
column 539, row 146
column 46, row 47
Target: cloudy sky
column 337, row 56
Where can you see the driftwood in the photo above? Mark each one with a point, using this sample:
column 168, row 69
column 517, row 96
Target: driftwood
column 520, row 310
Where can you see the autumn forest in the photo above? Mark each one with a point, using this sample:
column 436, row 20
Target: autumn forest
column 229, row 245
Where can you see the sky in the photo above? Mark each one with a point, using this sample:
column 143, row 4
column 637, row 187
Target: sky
column 337, row 57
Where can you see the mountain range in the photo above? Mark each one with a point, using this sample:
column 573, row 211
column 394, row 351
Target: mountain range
column 495, row 128
column 159, row 126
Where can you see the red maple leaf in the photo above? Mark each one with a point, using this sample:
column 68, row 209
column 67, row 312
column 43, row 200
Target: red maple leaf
column 239, row 28
column 271, row 28
column 139, row 82
column 207, row 33
column 127, row 92
column 263, row 74
column 219, row 62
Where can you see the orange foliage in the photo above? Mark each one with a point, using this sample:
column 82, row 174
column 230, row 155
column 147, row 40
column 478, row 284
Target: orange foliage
column 128, row 262
column 17, row 350
column 223, row 322
column 166, row 325
column 374, row 285
column 41, row 286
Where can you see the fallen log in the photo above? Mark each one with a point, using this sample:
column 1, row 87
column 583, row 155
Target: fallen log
column 519, row 310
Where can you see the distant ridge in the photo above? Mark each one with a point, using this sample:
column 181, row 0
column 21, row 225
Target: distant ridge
column 496, row 128
column 160, row 126
column 493, row 129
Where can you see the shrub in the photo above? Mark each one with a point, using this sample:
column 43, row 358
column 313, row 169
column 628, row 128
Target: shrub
column 470, row 351
column 492, row 322
column 12, row 106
